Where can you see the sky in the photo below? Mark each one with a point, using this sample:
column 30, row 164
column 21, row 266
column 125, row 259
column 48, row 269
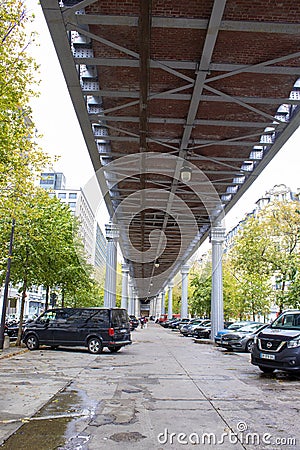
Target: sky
column 55, row 119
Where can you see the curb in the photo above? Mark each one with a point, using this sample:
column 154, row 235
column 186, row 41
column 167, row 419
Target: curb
column 12, row 351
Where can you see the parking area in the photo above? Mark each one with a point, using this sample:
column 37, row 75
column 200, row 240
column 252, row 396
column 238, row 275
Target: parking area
column 163, row 391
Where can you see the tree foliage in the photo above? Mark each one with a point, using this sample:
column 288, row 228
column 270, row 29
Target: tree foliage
column 46, row 247
column 268, row 247
column 20, row 159
column 200, row 301
column 47, row 251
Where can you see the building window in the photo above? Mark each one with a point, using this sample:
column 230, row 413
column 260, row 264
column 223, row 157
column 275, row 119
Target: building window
column 72, row 204
column 73, row 195
column 62, row 195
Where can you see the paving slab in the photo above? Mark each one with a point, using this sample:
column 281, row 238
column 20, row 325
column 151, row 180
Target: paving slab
column 162, row 392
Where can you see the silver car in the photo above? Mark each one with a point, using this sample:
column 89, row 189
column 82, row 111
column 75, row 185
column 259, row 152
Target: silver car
column 242, row 339
column 187, row 329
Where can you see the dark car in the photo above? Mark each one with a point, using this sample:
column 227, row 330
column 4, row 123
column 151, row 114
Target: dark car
column 241, row 339
column 176, row 324
column 278, row 345
column 11, row 330
column 202, row 331
column 94, row 328
column 168, row 322
column 134, row 322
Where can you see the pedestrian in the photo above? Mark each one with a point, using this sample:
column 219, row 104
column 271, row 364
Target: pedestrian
column 142, row 322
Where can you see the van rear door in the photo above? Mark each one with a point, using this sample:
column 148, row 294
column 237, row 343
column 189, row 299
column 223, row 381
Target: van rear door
column 120, row 324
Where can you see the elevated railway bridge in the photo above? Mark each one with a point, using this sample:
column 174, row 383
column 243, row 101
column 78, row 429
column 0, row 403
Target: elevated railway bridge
column 182, row 105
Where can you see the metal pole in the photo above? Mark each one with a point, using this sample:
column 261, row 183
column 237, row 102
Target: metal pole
column 6, row 286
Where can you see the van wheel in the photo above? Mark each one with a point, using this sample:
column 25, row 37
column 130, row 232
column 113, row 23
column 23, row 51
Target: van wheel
column 266, row 369
column 32, row 342
column 95, row 346
column 114, row 349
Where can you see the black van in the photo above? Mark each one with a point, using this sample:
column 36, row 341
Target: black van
column 278, row 345
column 94, row 328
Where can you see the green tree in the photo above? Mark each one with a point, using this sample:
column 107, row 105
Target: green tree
column 48, row 251
column 200, row 301
column 282, row 220
column 231, row 296
column 268, row 246
column 20, row 159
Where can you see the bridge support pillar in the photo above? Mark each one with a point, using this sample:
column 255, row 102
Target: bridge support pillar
column 112, row 235
column 124, row 298
column 137, row 306
column 130, row 306
column 162, row 304
column 184, row 291
column 217, row 237
column 170, row 300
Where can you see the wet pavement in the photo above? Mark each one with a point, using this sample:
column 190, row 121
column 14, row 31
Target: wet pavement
column 163, row 392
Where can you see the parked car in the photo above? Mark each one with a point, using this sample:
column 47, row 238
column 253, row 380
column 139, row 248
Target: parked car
column 176, row 324
column 162, row 318
column 187, row 329
column 11, row 329
column 134, row 322
column 202, row 331
column 278, row 345
column 167, row 323
column 94, row 328
column 233, row 326
column 241, row 339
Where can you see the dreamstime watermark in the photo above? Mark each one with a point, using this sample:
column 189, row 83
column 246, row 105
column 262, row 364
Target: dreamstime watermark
column 241, row 436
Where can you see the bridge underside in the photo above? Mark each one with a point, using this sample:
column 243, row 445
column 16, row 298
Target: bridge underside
column 164, row 87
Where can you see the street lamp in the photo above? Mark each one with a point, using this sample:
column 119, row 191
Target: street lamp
column 185, row 174
column 6, row 286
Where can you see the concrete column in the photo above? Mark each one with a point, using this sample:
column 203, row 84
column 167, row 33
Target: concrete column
column 137, row 309
column 217, row 236
column 170, row 300
column 130, row 308
column 124, row 297
column 162, row 307
column 156, row 306
column 184, row 291
column 111, row 265
column 151, row 311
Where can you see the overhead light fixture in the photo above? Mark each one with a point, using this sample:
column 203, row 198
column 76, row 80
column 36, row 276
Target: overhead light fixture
column 185, row 174
column 156, row 264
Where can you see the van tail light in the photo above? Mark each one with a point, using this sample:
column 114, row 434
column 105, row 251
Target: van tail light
column 111, row 332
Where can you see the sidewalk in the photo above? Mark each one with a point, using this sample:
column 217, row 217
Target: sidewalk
column 12, row 350
column 163, row 392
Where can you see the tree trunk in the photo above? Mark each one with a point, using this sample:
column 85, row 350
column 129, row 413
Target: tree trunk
column 24, row 289
column 281, row 305
column 47, row 297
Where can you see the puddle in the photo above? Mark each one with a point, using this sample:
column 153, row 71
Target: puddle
column 48, row 428
column 38, row 435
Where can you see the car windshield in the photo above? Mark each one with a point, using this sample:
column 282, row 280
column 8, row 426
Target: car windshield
column 235, row 326
column 249, row 328
column 287, row 321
